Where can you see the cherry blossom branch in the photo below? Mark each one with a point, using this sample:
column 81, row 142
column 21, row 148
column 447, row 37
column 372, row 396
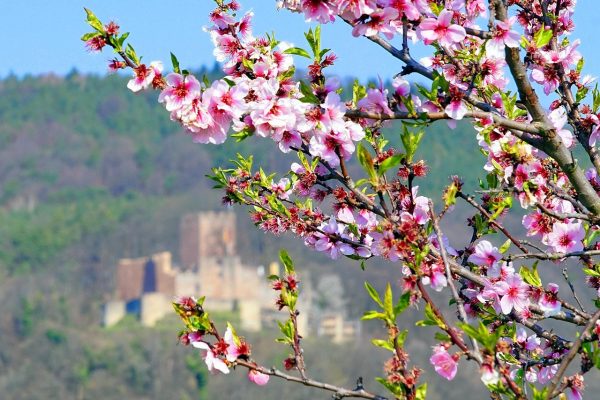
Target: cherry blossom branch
column 554, row 256
column 478, row 33
column 441, row 115
column 552, row 144
column 492, row 221
column 562, row 216
column 459, row 301
column 347, row 182
column 570, row 356
column 479, row 280
column 339, row 392
column 566, row 276
column 456, row 339
column 517, row 70
column 298, row 353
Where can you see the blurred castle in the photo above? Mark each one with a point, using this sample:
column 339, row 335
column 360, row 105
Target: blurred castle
column 209, row 266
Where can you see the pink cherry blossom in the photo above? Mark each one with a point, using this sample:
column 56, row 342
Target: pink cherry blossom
column 378, row 22
column 566, row 237
column 485, row 254
column 322, row 11
column 354, row 9
column 327, row 244
column 441, row 29
column 407, row 8
column 376, row 101
column 445, row 364
column 214, row 363
column 258, row 377
column 144, row 75
column 489, row 376
column 549, row 301
column 436, row 277
column 502, row 36
column 573, row 394
column 514, row 294
column 456, row 109
column 180, row 91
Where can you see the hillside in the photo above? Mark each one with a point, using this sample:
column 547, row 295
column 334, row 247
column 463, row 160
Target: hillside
column 90, row 173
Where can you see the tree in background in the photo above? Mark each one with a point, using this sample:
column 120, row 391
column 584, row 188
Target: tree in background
column 479, row 51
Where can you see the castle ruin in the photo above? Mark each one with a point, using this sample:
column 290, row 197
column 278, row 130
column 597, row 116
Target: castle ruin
column 210, row 266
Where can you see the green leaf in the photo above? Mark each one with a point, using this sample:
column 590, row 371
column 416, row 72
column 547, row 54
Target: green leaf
column 286, row 261
column 401, row 338
column 90, row 35
column 93, row 21
column 390, row 162
column 509, row 358
column 388, row 301
column 369, row 315
column 358, row 92
column 384, row 344
column 130, row 52
column 373, row 293
column 322, row 53
column 309, row 96
column 591, row 272
column 504, row 248
column 175, row 63
column 403, row 303
column 531, row 276
column 421, row 392
column 410, row 141
column 297, row 51
column 393, row 388
column 442, row 337
column 542, row 37
column 366, row 161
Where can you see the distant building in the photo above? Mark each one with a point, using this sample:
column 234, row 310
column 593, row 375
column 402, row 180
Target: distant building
column 210, row 266
column 338, row 329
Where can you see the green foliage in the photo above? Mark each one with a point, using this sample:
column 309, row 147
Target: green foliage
column 38, row 237
column 389, row 312
column 531, row 276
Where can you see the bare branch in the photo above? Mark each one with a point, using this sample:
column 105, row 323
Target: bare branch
column 570, row 356
column 338, row 391
column 460, row 304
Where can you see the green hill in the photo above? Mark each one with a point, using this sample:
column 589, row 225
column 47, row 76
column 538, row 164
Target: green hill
column 90, row 173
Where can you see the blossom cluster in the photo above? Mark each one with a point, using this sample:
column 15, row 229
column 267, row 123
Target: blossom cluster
column 224, row 351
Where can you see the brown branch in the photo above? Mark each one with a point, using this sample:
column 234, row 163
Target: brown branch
column 338, row 391
column 562, row 216
column 459, row 301
column 554, row 256
column 441, row 115
column 492, row 221
column 456, row 339
column 570, row 356
column 552, row 144
column 298, row 354
column 566, row 276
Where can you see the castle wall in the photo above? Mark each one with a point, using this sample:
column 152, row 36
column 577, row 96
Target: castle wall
column 153, row 307
column 206, row 235
column 133, row 279
column 130, row 278
column 113, row 312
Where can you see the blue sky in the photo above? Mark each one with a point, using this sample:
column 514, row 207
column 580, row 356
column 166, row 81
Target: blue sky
column 40, row 36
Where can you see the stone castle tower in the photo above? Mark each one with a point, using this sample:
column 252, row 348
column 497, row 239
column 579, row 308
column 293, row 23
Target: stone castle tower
column 205, row 236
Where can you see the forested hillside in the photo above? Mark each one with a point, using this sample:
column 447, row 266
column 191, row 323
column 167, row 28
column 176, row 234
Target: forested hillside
column 90, row 173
